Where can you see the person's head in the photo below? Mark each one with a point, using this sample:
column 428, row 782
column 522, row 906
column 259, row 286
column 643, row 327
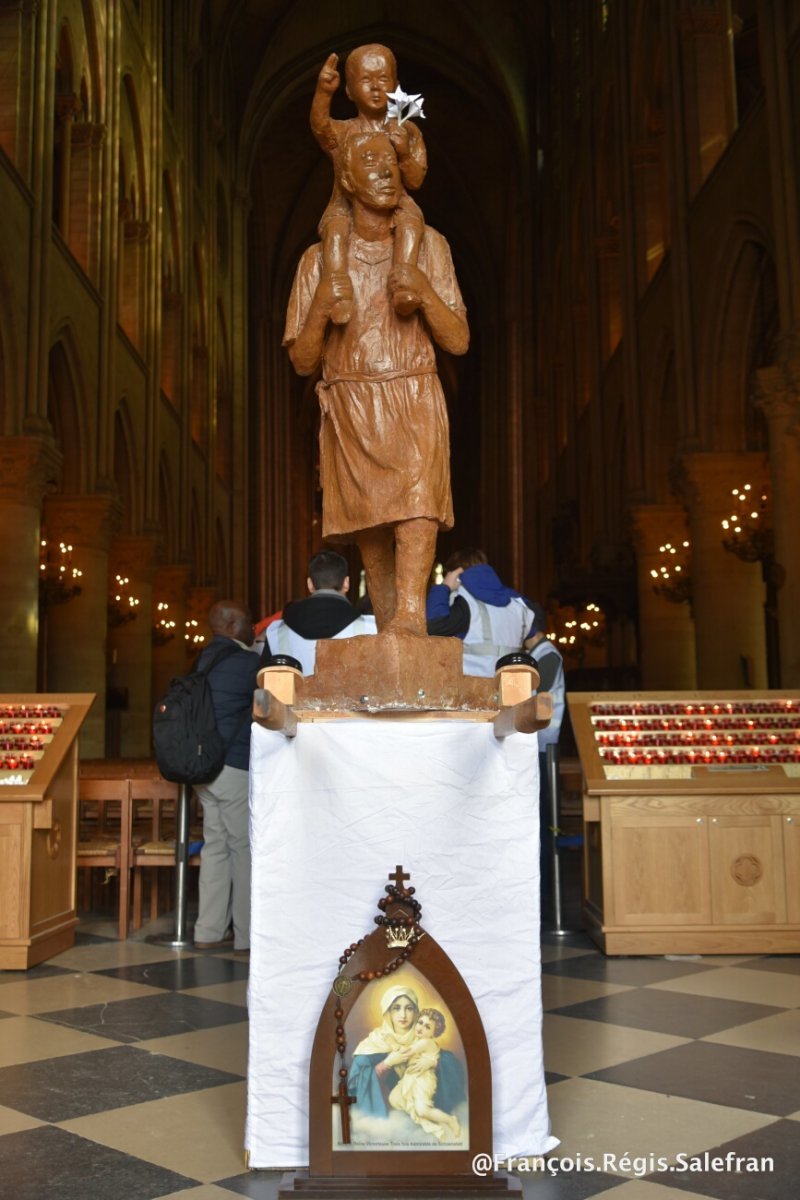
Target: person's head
column 370, row 72
column 231, row 619
column 370, row 173
column 400, row 1007
column 430, row 1023
column 470, row 556
column 328, row 570
column 538, row 625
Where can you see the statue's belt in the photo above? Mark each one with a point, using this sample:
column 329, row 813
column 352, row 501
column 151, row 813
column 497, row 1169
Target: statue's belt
column 358, row 377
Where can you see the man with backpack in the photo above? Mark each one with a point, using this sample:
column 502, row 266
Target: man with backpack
column 225, row 859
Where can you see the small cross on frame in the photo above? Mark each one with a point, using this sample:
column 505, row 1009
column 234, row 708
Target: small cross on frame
column 344, row 1101
column 398, row 876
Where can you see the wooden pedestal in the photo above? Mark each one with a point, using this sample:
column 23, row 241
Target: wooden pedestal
column 38, row 835
column 299, row 1185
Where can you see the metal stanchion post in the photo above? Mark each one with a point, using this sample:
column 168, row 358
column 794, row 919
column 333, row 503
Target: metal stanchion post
column 179, row 940
column 554, row 785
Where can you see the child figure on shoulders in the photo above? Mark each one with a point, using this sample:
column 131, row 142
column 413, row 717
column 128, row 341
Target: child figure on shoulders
column 370, row 73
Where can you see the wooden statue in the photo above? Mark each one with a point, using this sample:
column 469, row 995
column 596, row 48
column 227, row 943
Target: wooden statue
column 384, row 438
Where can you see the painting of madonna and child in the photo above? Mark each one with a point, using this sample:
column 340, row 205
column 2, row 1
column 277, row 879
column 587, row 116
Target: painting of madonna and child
column 408, row 1071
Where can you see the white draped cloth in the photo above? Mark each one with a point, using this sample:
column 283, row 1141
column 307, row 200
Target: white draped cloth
column 332, row 812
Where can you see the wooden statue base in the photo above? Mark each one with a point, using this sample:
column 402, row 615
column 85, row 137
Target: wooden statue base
column 399, row 675
column 395, row 671
column 299, row 1185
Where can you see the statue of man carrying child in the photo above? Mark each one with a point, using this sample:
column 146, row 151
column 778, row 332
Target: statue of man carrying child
column 367, row 305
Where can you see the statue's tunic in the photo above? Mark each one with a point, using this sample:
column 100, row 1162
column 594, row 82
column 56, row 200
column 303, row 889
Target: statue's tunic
column 384, row 437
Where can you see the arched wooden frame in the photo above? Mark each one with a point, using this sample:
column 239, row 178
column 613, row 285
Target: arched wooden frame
column 431, row 961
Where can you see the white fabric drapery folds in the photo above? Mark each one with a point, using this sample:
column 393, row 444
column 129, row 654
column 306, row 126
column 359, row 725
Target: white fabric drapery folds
column 332, row 812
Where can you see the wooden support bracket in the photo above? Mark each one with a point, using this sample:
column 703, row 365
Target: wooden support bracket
column 273, row 714
column 525, row 717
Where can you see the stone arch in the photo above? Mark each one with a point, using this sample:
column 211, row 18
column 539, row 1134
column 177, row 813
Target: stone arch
column 198, row 416
column 171, row 291
column 66, row 110
column 66, row 414
column 223, row 400
column 560, row 357
column 607, row 219
column 647, row 151
column 196, row 540
column 126, row 469
column 740, row 339
column 167, row 511
column 659, row 421
column 12, row 393
column 223, row 574
column 581, row 329
column 614, row 474
column 133, row 208
column 12, row 138
column 87, row 133
column 222, row 231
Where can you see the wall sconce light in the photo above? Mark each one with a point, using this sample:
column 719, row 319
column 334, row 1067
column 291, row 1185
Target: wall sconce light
column 194, row 639
column 122, row 603
column 672, row 579
column 748, row 529
column 57, row 574
column 164, row 627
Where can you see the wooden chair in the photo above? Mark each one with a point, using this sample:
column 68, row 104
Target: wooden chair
column 154, row 805
column 104, row 834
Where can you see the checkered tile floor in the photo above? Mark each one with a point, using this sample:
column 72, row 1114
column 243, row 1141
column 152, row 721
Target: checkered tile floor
column 122, row 1075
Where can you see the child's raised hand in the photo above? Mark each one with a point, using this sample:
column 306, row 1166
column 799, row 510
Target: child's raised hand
column 328, row 79
column 398, row 136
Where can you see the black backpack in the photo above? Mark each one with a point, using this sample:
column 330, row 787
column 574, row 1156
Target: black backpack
column 187, row 743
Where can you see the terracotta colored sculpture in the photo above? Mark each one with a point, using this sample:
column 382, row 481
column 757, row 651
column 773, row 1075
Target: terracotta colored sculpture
column 384, row 439
column 371, row 73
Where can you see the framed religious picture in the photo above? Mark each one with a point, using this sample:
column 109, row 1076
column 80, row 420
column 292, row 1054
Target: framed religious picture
column 400, row 1082
column 408, row 1070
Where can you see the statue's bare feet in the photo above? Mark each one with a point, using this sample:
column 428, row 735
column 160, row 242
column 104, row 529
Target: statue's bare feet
column 405, row 302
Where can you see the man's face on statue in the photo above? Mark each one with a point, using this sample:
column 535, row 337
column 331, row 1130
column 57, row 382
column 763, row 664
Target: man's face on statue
column 374, row 174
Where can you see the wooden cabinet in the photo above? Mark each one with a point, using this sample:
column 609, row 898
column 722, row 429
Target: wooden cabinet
column 659, row 866
column 691, row 812
column 38, row 817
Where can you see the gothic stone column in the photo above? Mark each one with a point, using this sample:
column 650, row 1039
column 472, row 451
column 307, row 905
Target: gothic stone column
column 779, row 398
column 76, row 631
column 131, row 644
column 727, row 594
column 666, row 629
column 28, row 465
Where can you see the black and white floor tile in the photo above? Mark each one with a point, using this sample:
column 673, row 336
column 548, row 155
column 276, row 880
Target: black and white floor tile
column 123, row 1067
